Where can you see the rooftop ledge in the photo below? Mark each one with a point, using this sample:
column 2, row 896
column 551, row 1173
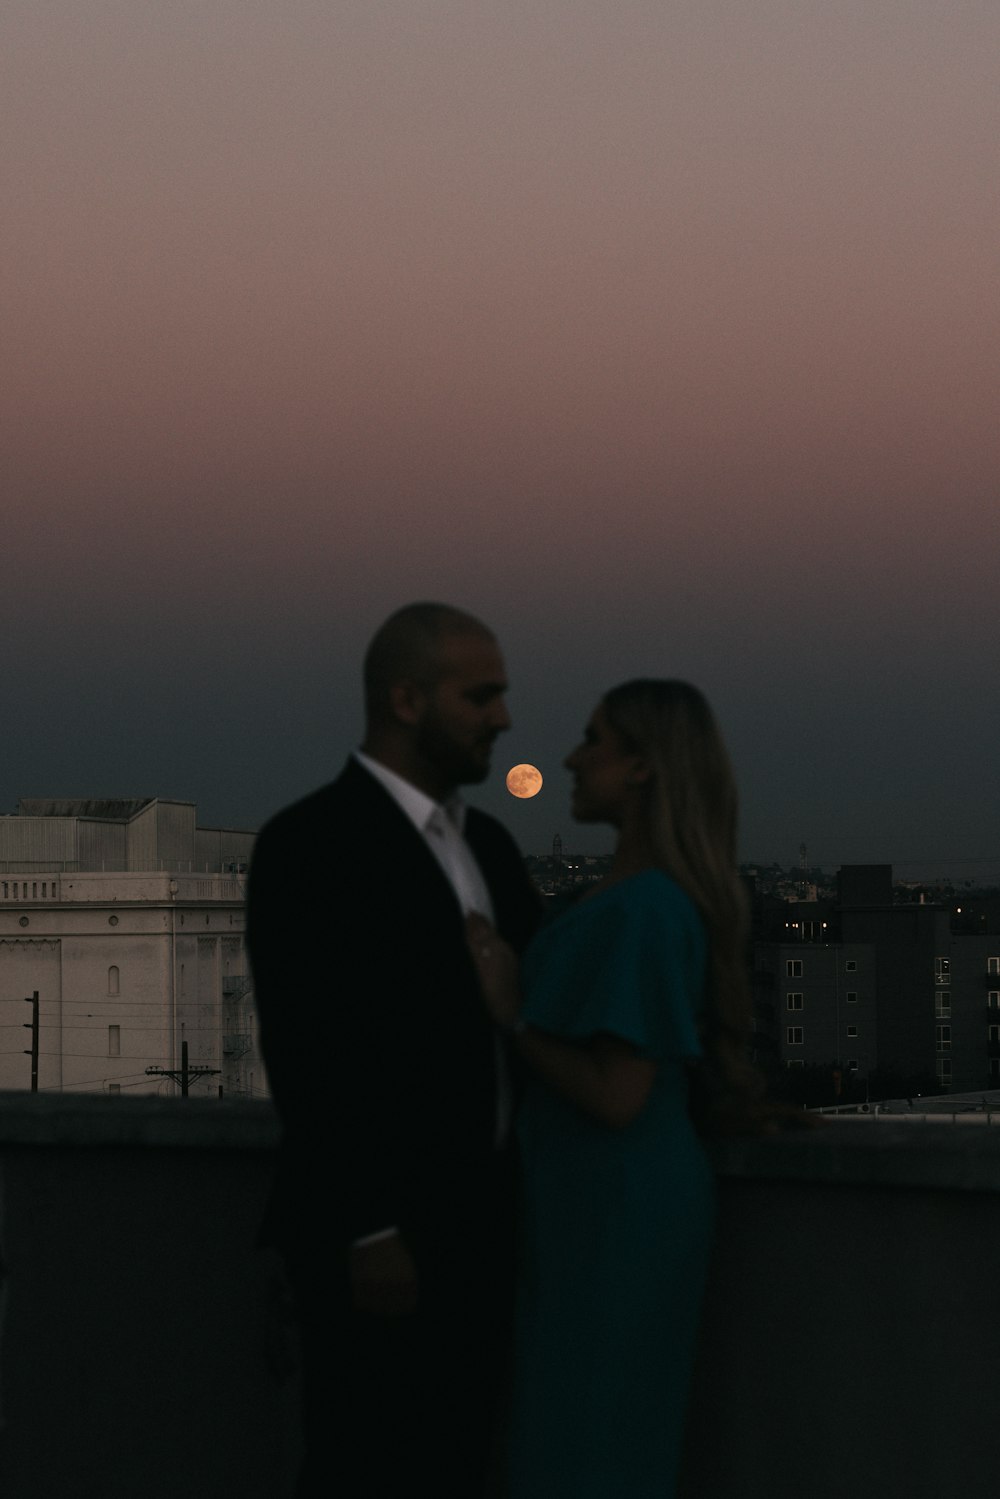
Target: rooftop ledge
column 862, row 1152
column 925, row 1153
column 846, row 1325
column 58, row 1119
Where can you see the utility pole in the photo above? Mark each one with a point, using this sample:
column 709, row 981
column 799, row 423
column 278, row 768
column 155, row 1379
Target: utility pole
column 32, row 1026
column 184, row 1073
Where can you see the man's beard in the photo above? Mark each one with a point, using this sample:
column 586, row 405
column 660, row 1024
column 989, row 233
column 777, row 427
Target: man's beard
column 459, row 765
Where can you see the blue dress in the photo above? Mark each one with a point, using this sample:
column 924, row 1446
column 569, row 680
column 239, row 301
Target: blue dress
column 617, row 1223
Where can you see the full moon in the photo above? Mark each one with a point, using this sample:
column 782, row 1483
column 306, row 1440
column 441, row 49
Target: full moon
column 524, row 780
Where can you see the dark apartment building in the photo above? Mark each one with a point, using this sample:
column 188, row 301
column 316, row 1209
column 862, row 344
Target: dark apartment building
column 869, row 983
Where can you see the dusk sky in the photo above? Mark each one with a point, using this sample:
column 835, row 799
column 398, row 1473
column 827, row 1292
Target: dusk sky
column 663, row 335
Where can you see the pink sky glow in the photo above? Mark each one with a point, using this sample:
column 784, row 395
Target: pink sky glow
column 663, row 334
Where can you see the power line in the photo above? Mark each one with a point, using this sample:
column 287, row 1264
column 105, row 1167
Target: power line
column 124, row 1080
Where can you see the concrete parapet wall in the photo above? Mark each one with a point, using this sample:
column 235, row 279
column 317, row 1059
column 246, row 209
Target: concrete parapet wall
column 846, row 1345
column 146, row 1349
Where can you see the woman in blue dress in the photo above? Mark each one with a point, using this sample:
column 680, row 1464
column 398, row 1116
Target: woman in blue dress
column 621, row 1002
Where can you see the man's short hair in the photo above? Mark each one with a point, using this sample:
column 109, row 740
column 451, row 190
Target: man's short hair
column 407, row 648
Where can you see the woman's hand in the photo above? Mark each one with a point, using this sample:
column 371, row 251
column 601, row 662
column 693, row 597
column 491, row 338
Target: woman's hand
column 496, row 965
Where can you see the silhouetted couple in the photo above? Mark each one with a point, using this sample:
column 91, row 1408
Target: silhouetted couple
column 403, row 1004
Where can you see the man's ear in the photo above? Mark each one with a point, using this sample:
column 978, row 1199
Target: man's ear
column 407, row 702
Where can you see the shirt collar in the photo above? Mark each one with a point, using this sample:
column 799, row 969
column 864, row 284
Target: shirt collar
column 421, row 809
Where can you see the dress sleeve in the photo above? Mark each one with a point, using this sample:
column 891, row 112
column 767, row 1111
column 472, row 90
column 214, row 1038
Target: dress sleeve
column 631, row 966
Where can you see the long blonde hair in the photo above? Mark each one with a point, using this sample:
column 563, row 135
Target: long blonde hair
column 691, row 816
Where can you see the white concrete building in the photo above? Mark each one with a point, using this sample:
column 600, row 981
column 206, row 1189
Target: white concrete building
column 128, row 921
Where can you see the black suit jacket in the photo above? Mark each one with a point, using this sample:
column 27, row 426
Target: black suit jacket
column 379, row 1052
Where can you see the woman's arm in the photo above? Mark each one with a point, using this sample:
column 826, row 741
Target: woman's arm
column 604, row 1076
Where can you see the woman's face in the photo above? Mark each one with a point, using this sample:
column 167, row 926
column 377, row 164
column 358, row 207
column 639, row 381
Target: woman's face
column 605, row 772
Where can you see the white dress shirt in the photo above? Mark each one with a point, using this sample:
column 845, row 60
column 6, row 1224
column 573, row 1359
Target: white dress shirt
column 442, row 826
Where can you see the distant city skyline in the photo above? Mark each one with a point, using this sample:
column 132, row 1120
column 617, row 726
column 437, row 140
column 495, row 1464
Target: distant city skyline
column 661, row 336
column 585, row 841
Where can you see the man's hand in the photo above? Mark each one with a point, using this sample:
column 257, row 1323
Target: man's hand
column 383, row 1278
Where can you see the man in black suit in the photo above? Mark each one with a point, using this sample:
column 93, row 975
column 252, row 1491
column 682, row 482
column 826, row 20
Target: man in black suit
column 392, row 1203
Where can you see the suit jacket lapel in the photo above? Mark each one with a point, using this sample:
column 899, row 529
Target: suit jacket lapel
column 376, row 810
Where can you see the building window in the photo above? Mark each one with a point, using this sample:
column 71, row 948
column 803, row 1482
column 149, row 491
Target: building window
column 851, row 966
column 795, row 1062
column 994, row 1032
column 995, row 1069
column 793, row 1001
column 852, row 996
column 852, row 1064
column 793, row 968
column 114, row 1040
column 993, row 965
column 942, row 970
column 793, row 1035
column 113, row 980
column 943, row 1037
column 944, row 1071
column 942, row 1003
column 852, row 1030
column 114, row 1087
column 993, row 999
